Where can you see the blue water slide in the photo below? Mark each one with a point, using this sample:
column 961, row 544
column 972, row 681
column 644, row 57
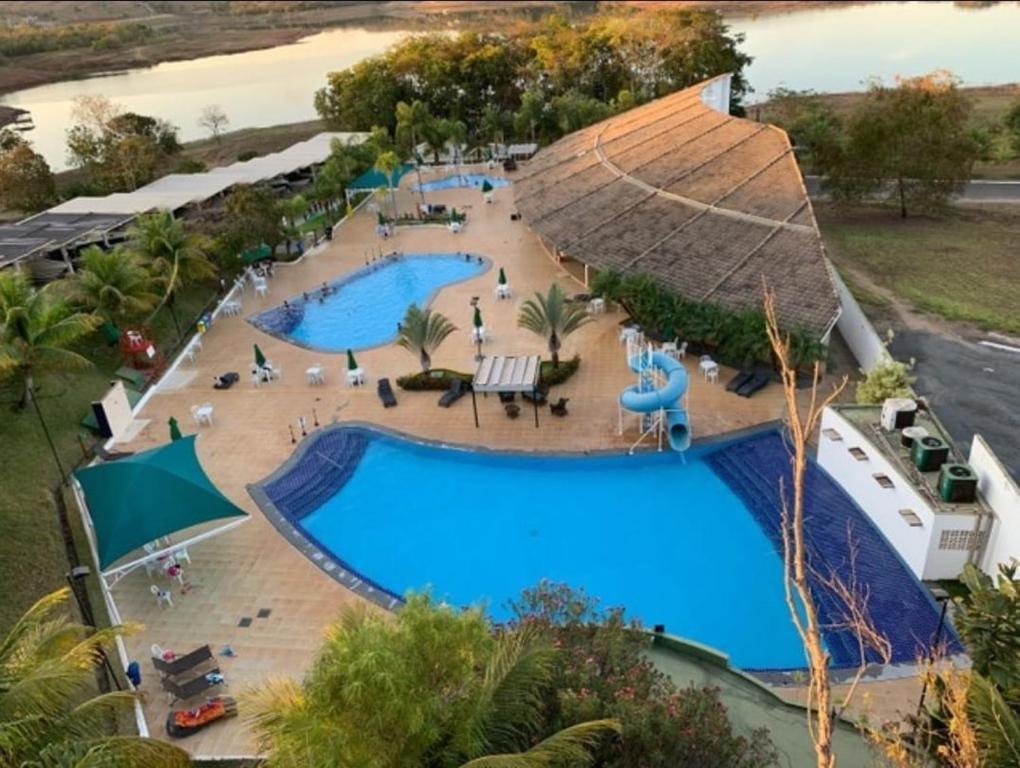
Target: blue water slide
column 668, row 396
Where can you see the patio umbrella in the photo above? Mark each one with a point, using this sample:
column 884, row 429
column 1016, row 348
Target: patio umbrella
column 352, row 364
column 478, row 318
column 175, row 431
column 260, row 359
column 502, row 277
column 454, row 216
column 381, row 218
column 486, row 186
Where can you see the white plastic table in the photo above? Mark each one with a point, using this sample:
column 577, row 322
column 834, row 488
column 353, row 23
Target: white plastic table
column 478, row 334
column 629, row 334
column 503, row 291
column 597, row 306
column 709, row 369
column 316, row 375
column 355, row 377
column 204, row 414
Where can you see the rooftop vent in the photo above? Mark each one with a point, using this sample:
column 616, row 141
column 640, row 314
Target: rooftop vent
column 957, row 484
column 930, row 453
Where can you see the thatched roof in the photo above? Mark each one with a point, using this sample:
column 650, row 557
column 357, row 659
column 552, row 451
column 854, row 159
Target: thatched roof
column 705, row 202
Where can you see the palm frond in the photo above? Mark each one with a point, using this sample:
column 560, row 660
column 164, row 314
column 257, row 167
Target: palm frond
column 997, row 725
column 572, row 746
column 113, row 752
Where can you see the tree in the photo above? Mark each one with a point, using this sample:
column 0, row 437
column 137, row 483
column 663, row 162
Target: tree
column 387, row 163
column 815, row 129
column 26, row 182
column 552, row 318
column 38, row 327
column 1012, row 123
column 49, row 716
column 429, row 687
column 988, row 617
column 252, row 217
column 422, row 331
column 412, row 119
column 457, row 133
column 214, row 120
column 114, row 284
column 911, row 144
column 435, row 133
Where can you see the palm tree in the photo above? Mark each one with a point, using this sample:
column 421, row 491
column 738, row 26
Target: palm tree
column 38, row 327
column 422, row 331
column 551, row 317
column 48, row 713
column 430, row 687
column 435, row 133
column 411, row 121
column 457, row 132
column 114, row 284
column 387, row 163
column 175, row 256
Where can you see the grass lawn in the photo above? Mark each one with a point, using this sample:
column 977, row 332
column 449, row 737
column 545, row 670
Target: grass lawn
column 963, row 266
column 32, row 555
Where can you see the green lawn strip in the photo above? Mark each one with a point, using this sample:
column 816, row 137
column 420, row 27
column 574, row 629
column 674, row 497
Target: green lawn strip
column 962, row 266
column 32, row 556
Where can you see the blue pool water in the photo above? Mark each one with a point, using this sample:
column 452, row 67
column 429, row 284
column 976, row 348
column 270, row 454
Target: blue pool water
column 460, row 180
column 366, row 306
column 690, row 544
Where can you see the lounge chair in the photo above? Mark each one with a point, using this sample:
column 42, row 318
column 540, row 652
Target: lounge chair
column 752, row 385
column 453, row 394
column 194, row 687
column 559, row 408
column 512, row 410
column 538, row 396
column 739, row 380
column 184, row 722
column 226, row 380
column 184, row 663
column 385, row 391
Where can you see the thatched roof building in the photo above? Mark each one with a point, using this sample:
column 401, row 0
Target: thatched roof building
column 707, row 203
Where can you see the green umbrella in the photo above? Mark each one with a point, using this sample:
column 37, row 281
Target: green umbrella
column 486, row 186
column 478, row 318
column 502, row 277
column 352, row 364
column 175, row 431
column 454, row 216
column 260, row 359
column 382, row 219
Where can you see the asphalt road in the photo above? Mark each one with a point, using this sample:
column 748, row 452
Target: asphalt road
column 974, row 192
column 972, row 389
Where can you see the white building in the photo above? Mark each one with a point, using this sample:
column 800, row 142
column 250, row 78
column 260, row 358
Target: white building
column 911, row 506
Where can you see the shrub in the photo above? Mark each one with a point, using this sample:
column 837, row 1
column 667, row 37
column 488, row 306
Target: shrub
column 248, row 154
column 888, row 379
column 190, row 165
column 550, row 376
column 435, row 380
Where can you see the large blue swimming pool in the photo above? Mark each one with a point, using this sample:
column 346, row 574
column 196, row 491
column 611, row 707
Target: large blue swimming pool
column 677, row 542
column 363, row 309
column 461, row 180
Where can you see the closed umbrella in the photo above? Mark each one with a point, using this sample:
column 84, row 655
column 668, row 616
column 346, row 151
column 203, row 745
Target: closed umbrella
column 478, row 318
column 478, row 332
column 175, row 430
column 486, row 186
column 381, row 219
column 260, row 359
column 502, row 277
column 352, row 364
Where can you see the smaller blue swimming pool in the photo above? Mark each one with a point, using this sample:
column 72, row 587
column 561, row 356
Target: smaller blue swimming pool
column 460, row 180
column 362, row 309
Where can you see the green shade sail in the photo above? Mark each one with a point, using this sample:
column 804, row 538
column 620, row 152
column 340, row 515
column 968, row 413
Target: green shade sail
column 258, row 253
column 502, row 277
column 175, row 429
column 260, row 359
column 478, row 318
column 141, row 497
column 372, row 179
column 352, row 364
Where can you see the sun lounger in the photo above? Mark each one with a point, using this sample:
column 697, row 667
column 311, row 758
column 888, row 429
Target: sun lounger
column 739, row 380
column 538, row 396
column 559, row 408
column 194, row 687
column 752, row 385
column 385, row 391
column 226, row 380
column 184, row 722
column 454, row 393
column 184, row 663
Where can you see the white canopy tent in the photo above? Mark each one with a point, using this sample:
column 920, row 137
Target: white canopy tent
column 501, row 373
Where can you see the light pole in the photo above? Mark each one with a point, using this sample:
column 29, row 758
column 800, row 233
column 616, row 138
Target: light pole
column 49, row 440
column 75, row 579
column 941, row 597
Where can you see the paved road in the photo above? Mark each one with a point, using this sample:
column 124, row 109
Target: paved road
column 972, row 388
column 974, row 192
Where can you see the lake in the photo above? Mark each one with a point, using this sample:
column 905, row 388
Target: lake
column 834, row 49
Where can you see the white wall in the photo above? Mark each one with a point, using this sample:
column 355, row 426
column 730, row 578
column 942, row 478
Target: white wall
column 918, row 546
column 717, row 94
column 1002, row 494
column 857, row 330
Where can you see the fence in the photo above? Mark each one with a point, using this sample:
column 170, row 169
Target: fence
column 858, row 332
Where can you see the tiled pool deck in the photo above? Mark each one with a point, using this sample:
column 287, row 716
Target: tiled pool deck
column 253, row 568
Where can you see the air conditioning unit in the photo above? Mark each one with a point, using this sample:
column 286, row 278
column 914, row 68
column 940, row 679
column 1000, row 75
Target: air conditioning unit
column 930, row 453
column 898, row 412
column 957, row 484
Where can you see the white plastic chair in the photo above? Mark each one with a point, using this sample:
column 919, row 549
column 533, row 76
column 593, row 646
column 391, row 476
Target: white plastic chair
column 181, row 553
column 681, row 351
column 712, row 375
column 162, row 596
column 156, row 651
column 261, row 289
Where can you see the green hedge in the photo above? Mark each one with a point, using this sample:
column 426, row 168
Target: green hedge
column 438, row 379
column 550, row 376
